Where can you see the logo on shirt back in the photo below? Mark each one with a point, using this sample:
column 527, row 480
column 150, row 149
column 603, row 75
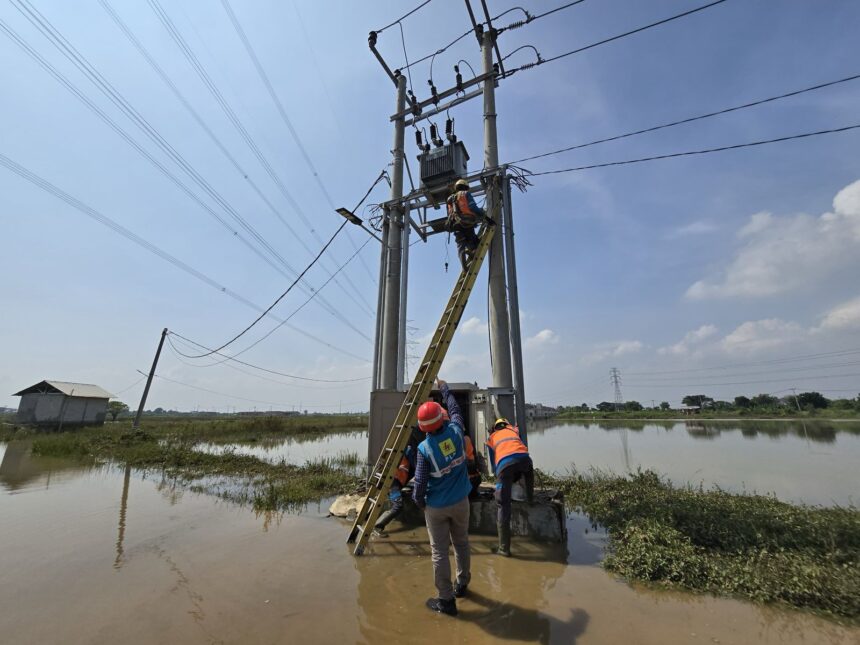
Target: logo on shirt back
column 447, row 447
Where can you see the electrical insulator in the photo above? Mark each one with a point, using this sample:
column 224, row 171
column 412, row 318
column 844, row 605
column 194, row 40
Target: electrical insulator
column 449, row 130
column 418, row 140
column 459, row 77
column 433, row 92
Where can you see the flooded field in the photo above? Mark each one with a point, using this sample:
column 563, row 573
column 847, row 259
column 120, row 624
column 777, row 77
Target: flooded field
column 811, row 462
column 106, row 555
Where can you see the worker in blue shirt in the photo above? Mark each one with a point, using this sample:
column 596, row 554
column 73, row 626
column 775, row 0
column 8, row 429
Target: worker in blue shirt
column 441, row 488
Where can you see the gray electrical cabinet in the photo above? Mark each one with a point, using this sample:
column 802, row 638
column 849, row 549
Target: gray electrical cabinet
column 478, row 406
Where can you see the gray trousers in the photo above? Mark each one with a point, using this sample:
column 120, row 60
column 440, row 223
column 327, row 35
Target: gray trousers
column 449, row 525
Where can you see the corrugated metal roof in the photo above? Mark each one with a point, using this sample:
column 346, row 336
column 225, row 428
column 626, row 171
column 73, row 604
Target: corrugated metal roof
column 84, row 390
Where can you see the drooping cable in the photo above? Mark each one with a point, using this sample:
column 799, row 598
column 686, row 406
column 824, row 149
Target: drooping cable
column 689, row 153
column 51, row 189
column 293, row 284
column 257, row 367
column 690, row 119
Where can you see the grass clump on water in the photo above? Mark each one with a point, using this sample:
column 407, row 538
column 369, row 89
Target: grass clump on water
column 268, row 486
column 742, row 545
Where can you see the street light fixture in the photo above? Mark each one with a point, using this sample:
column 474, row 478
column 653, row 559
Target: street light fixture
column 355, row 219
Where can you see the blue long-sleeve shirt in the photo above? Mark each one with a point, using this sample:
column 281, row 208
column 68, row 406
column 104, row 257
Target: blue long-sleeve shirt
column 422, row 467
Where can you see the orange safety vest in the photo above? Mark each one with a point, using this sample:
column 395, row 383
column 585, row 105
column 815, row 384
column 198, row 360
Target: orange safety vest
column 506, row 442
column 402, row 474
column 459, row 211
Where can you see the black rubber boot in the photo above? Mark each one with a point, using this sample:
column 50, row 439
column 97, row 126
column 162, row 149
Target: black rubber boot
column 504, row 540
column 384, row 519
column 460, row 590
column 440, row 606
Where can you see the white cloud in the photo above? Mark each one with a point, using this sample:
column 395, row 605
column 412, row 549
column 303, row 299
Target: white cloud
column 542, row 338
column 782, row 254
column 843, row 316
column 690, row 339
column 757, row 335
column 473, row 326
column 700, row 227
column 612, row 349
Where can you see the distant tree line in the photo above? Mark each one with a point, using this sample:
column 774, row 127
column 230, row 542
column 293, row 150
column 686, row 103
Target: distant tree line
column 808, row 402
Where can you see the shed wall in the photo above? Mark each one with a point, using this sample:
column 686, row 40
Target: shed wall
column 46, row 409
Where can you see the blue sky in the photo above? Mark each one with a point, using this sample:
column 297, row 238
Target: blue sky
column 722, row 263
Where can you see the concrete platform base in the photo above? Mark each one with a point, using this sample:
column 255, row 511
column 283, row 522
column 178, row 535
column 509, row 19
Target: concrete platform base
column 543, row 520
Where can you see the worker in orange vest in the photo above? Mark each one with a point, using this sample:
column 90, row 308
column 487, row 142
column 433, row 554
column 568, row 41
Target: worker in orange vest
column 511, row 461
column 405, row 472
column 463, row 216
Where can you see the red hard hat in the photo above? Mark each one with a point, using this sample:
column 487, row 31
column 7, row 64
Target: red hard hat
column 430, row 416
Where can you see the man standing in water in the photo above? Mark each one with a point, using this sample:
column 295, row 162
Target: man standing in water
column 511, row 461
column 442, row 489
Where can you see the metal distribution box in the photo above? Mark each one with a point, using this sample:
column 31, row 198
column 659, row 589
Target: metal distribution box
column 478, row 406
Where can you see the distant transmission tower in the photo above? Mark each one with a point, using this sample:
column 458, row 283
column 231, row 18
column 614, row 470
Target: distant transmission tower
column 615, row 378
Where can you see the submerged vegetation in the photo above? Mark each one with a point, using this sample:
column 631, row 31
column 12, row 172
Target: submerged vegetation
column 748, row 546
column 172, row 447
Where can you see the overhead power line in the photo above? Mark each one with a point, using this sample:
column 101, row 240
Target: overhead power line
column 152, row 248
column 689, row 153
column 281, row 297
column 241, row 398
column 290, row 288
column 282, row 112
column 689, row 119
column 104, row 86
column 403, row 17
column 243, row 173
column 257, row 367
column 614, row 38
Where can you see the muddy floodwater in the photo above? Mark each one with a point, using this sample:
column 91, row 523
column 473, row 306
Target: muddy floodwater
column 109, row 555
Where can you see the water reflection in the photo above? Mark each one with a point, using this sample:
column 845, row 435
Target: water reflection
column 810, row 461
column 123, row 509
column 21, row 470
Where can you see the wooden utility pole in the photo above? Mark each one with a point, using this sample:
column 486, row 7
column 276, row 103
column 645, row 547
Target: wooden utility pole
column 136, row 423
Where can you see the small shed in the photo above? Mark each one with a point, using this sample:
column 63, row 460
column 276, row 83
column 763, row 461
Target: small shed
column 62, row 404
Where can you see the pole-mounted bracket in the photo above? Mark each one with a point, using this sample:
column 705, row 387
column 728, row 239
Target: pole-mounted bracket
column 371, row 41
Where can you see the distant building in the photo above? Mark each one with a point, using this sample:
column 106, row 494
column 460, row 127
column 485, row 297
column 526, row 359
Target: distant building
column 58, row 403
column 539, row 411
column 689, row 410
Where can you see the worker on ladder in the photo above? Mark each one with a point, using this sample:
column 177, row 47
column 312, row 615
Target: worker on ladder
column 442, row 489
column 463, row 216
column 511, row 461
column 405, row 472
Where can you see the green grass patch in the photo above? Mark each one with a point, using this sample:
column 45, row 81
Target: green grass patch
column 748, row 546
column 267, row 486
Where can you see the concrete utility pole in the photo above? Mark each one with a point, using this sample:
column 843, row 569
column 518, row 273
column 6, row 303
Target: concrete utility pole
column 404, row 289
column 500, row 346
column 393, row 239
column 514, row 313
column 136, row 423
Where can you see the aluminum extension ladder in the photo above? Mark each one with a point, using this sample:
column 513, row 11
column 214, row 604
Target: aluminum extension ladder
column 380, row 481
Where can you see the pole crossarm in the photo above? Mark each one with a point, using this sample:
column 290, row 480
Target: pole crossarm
column 416, row 108
column 413, row 199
